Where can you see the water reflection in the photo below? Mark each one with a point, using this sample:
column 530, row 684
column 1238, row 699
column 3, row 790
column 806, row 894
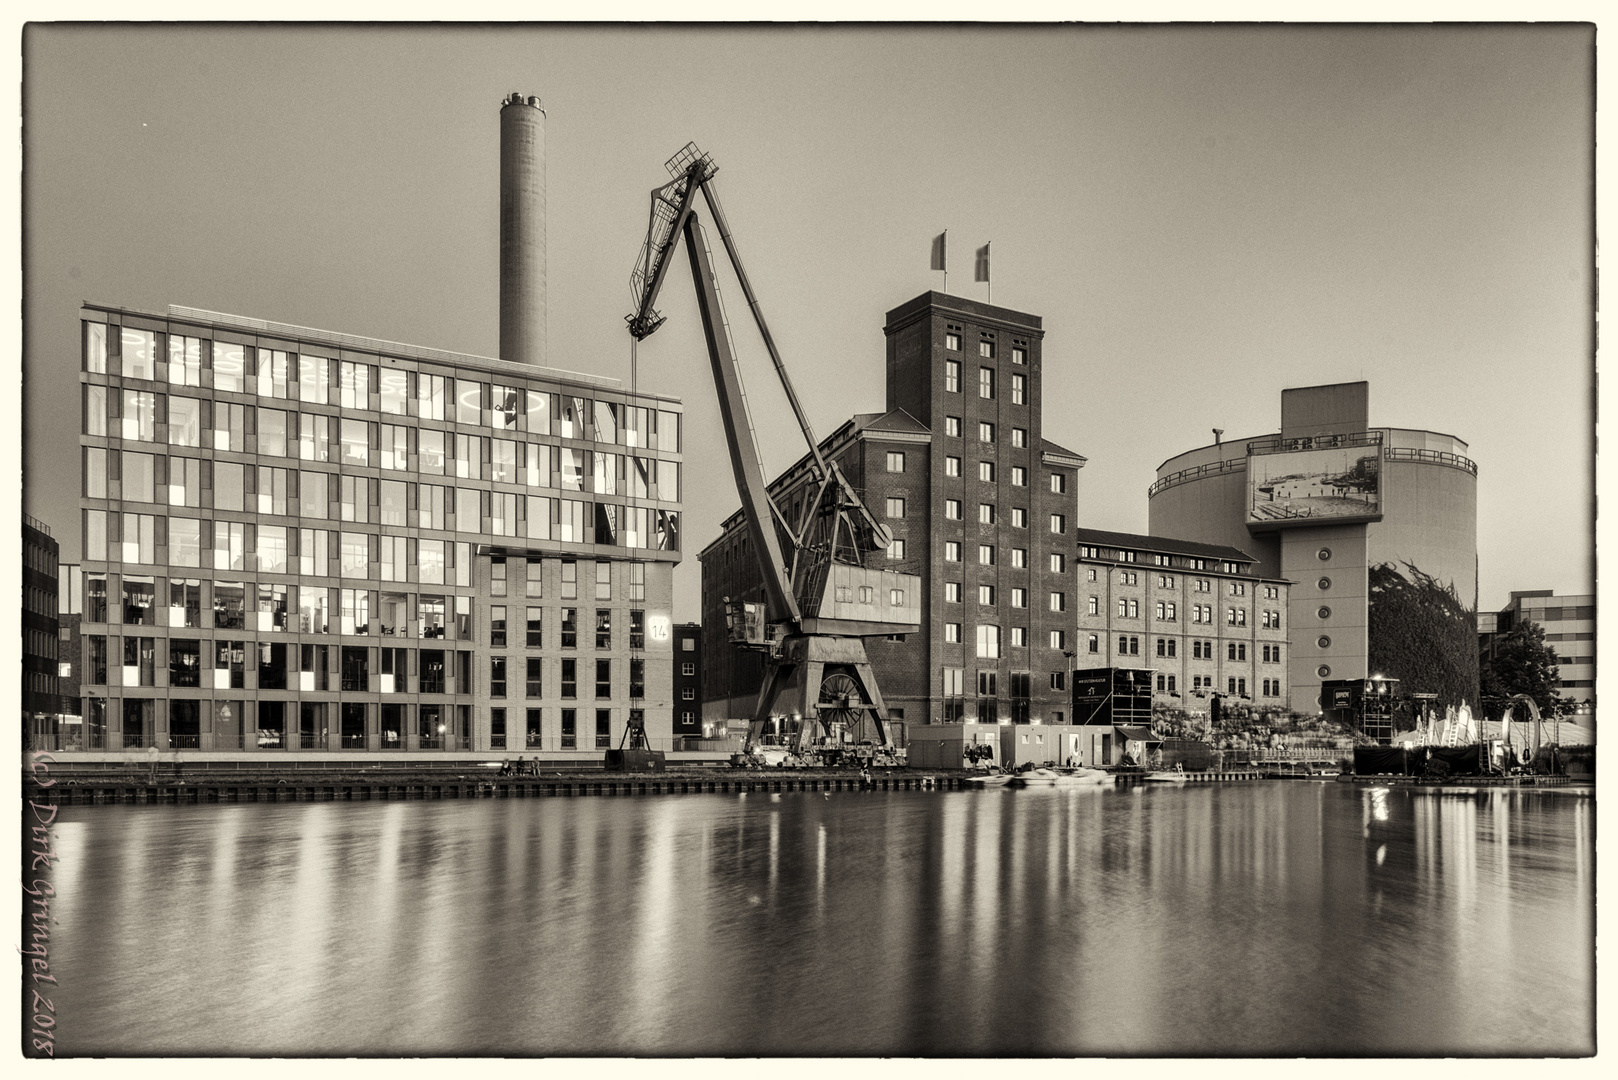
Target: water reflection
column 1264, row 918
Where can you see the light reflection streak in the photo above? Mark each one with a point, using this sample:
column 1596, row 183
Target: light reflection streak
column 820, row 869
column 657, row 900
column 775, row 849
column 655, row 949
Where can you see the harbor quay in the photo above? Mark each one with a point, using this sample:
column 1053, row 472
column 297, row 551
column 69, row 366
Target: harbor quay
column 171, row 783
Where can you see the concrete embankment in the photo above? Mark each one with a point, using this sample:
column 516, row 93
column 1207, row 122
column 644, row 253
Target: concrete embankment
column 192, row 785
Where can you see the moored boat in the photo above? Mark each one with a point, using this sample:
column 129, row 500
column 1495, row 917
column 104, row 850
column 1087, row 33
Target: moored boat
column 1081, row 776
column 992, row 778
column 1175, row 775
column 1036, row 778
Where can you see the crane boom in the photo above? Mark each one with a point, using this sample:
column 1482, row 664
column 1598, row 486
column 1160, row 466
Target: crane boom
column 821, row 606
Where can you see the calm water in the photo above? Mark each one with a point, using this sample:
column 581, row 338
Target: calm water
column 1274, row 918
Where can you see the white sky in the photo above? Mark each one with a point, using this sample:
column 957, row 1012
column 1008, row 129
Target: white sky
column 1202, row 216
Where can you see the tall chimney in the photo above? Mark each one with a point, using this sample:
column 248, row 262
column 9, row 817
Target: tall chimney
column 522, row 230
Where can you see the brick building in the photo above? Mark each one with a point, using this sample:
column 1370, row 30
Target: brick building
column 41, row 691
column 688, row 680
column 300, row 540
column 1198, row 615
column 982, row 510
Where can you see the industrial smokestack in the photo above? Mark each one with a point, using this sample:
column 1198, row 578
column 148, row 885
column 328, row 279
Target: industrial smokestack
column 522, row 230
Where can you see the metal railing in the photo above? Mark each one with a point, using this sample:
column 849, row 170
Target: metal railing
column 1431, row 457
column 1196, row 473
column 1278, row 445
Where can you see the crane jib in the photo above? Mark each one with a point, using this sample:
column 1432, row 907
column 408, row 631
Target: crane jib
column 818, row 609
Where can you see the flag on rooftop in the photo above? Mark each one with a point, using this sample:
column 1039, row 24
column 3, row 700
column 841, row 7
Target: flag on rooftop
column 982, row 271
column 938, row 251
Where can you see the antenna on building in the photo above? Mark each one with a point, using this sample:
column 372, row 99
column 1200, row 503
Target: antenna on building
column 1218, row 433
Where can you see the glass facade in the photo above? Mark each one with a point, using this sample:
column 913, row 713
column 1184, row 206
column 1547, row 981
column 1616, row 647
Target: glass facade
column 308, row 540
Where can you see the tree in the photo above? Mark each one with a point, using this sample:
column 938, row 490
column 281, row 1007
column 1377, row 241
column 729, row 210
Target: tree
column 1522, row 664
column 1422, row 635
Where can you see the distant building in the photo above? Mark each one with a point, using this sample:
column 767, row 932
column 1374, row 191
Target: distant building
column 1570, row 628
column 1197, row 614
column 41, row 691
column 982, row 508
column 70, row 658
column 688, row 680
column 1320, row 504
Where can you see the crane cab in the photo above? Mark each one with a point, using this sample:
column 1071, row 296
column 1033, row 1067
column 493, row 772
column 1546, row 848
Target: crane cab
column 868, row 602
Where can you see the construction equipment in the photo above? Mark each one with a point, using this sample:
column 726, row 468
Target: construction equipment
column 816, row 608
column 634, row 753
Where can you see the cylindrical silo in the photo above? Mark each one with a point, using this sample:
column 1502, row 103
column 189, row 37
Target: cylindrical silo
column 522, row 230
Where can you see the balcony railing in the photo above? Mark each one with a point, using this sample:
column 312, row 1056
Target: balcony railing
column 1431, row 457
column 1196, row 473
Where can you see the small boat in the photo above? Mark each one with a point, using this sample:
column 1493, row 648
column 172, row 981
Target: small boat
column 990, row 779
column 1036, row 778
column 1175, row 775
column 1081, row 776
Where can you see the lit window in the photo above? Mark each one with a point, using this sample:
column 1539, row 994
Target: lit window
column 1018, row 389
column 896, row 508
column 986, row 349
column 986, row 595
column 1019, row 437
column 896, row 548
column 952, row 466
column 952, row 426
column 952, row 376
column 1095, row 605
column 896, row 461
column 952, row 509
column 952, row 632
column 1059, row 523
column 952, row 551
column 986, row 471
column 986, row 381
column 1019, row 557
column 1019, row 598
column 1058, row 562
column 986, row 554
column 1019, row 476
column 1058, row 484
column 986, row 513
column 1019, row 355
column 985, row 432
column 1058, row 601
column 952, row 592
column 952, row 341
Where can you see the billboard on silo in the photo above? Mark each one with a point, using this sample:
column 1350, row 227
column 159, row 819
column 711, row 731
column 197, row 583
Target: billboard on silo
column 1331, row 480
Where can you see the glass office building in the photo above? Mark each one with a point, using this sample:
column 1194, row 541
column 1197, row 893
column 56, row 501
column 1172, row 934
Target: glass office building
column 303, row 541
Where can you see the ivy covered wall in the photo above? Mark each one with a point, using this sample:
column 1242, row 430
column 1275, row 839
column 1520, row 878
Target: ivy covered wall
column 1422, row 635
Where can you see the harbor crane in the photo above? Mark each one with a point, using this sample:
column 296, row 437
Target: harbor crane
column 818, row 599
